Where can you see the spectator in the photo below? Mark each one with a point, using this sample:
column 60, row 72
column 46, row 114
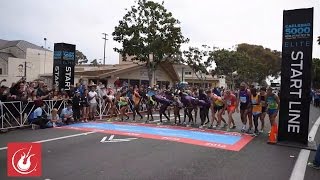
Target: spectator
column 316, row 162
column 85, row 105
column 54, row 119
column 67, row 114
column 76, row 106
column 92, row 102
column 117, row 83
column 39, row 117
column 216, row 91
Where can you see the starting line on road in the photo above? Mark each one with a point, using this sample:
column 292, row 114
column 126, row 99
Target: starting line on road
column 232, row 141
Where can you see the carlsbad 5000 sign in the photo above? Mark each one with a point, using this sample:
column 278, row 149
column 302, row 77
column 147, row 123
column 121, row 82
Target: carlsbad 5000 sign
column 63, row 65
column 296, row 75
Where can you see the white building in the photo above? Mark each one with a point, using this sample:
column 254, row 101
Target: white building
column 15, row 55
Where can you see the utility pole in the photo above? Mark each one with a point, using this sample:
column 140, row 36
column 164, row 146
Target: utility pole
column 25, row 69
column 45, row 55
column 104, row 50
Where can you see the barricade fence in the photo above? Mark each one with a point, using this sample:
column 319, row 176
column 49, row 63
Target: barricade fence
column 14, row 114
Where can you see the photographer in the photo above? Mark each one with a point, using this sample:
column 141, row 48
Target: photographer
column 67, row 114
column 38, row 116
column 76, row 106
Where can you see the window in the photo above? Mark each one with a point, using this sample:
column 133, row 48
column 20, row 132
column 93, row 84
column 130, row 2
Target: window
column 0, row 71
column 187, row 73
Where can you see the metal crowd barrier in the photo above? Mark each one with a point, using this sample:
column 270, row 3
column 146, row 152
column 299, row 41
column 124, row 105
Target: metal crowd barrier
column 14, row 114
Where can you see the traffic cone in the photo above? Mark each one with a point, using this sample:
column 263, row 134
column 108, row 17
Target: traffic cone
column 273, row 134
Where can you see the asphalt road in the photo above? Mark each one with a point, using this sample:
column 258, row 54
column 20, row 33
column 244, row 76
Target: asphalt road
column 85, row 157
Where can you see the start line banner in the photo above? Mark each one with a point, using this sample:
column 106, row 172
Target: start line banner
column 296, row 75
column 63, row 65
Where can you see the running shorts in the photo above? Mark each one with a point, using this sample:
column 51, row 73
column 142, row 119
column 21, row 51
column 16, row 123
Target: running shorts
column 231, row 108
column 272, row 111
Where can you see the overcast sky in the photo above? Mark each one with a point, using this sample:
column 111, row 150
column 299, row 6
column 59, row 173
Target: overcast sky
column 220, row 23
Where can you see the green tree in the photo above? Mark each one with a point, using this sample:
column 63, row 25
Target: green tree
column 148, row 29
column 261, row 63
column 315, row 72
column 199, row 60
column 80, row 57
column 228, row 63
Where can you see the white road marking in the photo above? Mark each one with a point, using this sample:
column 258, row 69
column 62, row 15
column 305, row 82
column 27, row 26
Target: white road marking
column 111, row 137
column 300, row 166
column 104, row 139
column 58, row 138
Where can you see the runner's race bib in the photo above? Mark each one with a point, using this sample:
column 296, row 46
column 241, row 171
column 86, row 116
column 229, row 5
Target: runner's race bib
column 229, row 103
column 243, row 99
column 254, row 101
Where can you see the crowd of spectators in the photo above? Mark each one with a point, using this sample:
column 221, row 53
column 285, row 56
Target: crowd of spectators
column 83, row 101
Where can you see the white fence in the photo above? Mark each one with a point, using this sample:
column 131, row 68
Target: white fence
column 14, row 114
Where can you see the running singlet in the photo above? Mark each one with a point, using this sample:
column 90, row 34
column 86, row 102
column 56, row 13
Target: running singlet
column 272, row 103
column 218, row 101
column 244, row 97
column 136, row 98
column 123, row 101
column 161, row 99
column 256, row 108
column 203, row 103
column 231, row 100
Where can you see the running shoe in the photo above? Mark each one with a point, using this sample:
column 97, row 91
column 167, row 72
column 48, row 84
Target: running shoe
column 160, row 123
column 228, row 130
column 261, row 131
column 201, row 127
column 249, row 131
column 233, row 127
column 243, row 129
column 225, row 125
column 312, row 165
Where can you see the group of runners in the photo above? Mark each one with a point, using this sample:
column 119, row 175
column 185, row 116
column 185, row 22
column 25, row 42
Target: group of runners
column 253, row 104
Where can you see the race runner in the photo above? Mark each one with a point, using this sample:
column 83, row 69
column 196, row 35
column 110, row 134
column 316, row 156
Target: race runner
column 273, row 102
column 256, row 109
column 231, row 106
column 244, row 100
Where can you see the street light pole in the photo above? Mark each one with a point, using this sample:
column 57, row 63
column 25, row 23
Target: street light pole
column 104, row 50
column 45, row 55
